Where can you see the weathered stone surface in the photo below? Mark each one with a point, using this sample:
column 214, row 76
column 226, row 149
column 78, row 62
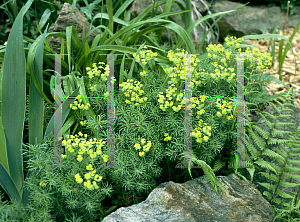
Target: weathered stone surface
column 77, row 20
column 252, row 19
column 259, row 120
column 196, row 200
column 199, row 7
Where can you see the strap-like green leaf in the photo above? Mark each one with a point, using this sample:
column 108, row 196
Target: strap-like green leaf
column 65, row 112
column 36, row 101
column 8, row 184
column 3, row 151
column 13, row 105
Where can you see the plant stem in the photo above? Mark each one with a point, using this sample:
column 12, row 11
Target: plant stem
column 286, row 16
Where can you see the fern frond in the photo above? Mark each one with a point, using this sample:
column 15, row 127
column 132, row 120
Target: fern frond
column 257, row 140
column 251, row 148
column 290, row 207
column 249, row 104
column 265, row 164
column 262, row 131
column 269, row 124
column 280, row 132
column 271, row 153
column 274, row 141
column 209, row 173
column 267, row 114
column 219, row 165
column 283, row 170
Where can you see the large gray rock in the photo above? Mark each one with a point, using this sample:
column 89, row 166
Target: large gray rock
column 252, row 19
column 199, row 7
column 196, row 200
column 258, row 178
column 77, row 20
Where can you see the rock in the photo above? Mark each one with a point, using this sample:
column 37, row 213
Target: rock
column 252, row 19
column 77, row 20
column 196, row 200
column 199, row 8
column 257, row 176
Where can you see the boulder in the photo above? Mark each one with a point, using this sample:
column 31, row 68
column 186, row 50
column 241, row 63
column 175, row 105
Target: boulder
column 77, row 20
column 252, row 19
column 199, row 8
column 196, row 200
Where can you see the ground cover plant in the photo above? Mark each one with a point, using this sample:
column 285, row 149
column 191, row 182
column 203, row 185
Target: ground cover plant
column 149, row 126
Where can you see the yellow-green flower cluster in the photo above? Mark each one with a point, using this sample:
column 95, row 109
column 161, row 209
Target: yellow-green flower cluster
column 165, row 104
column 180, row 56
column 263, row 61
column 145, row 148
column 196, row 77
column 179, row 98
column 145, row 56
column 96, row 78
column 42, row 184
column 199, row 106
column 144, row 73
column 222, row 73
column 133, row 92
column 177, row 74
column 232, row 41
column 167, row 137
column 82, row 123
column 179, row 71
column 85, row 147
column 79, row 104
column 95, row 72
column 226, row 108
column 206, row 130
column 216, row 52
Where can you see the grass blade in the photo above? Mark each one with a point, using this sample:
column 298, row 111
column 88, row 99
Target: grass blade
column 167, row 8
column 110, row 11
column 281, row 60
column 188, row 16
column 122, row 71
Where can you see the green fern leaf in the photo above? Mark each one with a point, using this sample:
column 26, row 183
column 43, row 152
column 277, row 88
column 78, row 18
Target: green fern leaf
column 219, row 165
column 265, row 164
column 251, row 148
column 277, row 141
column 262, row 132
column 270, row 153
column 257, row 140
